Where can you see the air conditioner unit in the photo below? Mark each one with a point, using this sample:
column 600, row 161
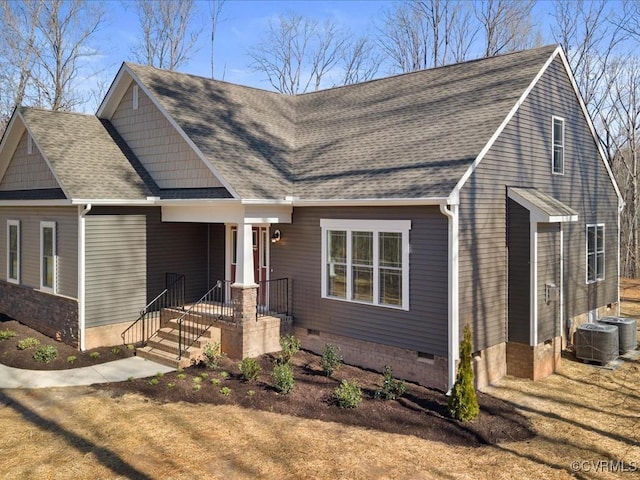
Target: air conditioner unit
column 627, row 332
column 597, row 342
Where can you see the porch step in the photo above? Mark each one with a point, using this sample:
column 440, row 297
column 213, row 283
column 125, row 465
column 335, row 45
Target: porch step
column 196, row 317
column 171, row 334
column 162, row 357
column 170, row 346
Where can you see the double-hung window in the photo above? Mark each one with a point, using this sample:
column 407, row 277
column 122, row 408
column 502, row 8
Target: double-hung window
column 48, row 256
column 557, row 141
column 366, row 261
column 595, row 253
column 13, row 251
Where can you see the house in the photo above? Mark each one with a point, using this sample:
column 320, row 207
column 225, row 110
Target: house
column 384, row 216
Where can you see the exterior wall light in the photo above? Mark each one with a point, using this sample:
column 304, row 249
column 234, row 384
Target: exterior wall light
column 276, row 236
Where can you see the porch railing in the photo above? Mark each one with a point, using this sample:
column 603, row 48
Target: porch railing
column 196, row 320
column 273, row 298
column 148, row 322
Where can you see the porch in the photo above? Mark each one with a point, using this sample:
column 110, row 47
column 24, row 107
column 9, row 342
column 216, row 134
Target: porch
column 244, row 321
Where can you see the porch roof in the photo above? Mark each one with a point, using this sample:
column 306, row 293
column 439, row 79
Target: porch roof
column 542, row 207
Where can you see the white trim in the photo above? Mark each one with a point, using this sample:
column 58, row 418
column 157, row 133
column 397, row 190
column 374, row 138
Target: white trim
column 113, row 201
column 344, row 202
column 561, row 283
column 82, row 273
column 375, row 227
column 553, row 144
column 13, row 223
column 504, row 123
column 533, row 275
column 35, row 203
column 53, row 289
column 604, row 258
column 453, row 287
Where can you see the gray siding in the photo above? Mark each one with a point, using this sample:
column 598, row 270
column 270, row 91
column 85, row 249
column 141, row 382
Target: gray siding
column 27, row 172
column 116, row 255
column 167, row 157
column 422, row 328
column 548, row 273
column 168, row 247
column 66, row 219
column 519, row 243
column 522, row 157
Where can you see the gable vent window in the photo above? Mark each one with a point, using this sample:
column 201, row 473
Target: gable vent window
column 595, row 253
column 558, row 146
column 29, row 144
column 135, row 97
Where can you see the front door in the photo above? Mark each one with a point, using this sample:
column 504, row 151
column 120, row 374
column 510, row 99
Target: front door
column 260, row 242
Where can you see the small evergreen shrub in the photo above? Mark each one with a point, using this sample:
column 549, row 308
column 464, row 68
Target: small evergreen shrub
column 115, row 350
column 196, row 387
column 331, row 360
column 224, row 375
column 28, row 342
column 181, row 376
column 348, row 394
column 463, row 403
column 250, row 369
column 283, row 376
column 7, row 334
column 45, row 354
column 212, row 355
column 154, row 381
column 71, row 358
column 226, row 391
column 391, row 388
column 290, row 346
column 94, row 355
column 215, row 381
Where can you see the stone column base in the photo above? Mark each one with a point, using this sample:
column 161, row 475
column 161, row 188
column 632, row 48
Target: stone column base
column 244, row 299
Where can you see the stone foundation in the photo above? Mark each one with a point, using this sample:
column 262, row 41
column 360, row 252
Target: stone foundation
column 406, row 364
column 252, row 338
column 244, row 300
column 534, row 363
column 490, row 365
column 52, row 315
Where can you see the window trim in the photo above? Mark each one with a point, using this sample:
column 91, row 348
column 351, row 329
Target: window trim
column 553, row 145
column 54, row 287
column 376, row 227
column 603, row 252
column 13, row 223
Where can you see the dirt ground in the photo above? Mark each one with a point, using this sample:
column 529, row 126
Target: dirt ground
column 586, row 421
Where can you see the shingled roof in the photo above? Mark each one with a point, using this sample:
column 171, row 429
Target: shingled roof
column 404, row 137
column 88, row 157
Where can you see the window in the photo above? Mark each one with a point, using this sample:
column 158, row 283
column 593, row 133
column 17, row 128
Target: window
column 558, row 146
column 366, row 261
column 595, row 253
column 135, row 97
column 48, row 256
column 13, row 251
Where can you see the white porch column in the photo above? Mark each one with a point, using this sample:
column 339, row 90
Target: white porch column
column 244, row 261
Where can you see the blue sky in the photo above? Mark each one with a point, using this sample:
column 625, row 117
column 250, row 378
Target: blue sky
column 241, row 25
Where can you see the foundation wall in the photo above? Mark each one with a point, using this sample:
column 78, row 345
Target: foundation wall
column 105, row 336
column 534, row 363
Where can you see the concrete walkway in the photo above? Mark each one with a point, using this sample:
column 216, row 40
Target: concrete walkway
column 115, row 371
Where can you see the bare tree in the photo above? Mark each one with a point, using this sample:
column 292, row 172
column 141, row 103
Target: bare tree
column 167, row 37
column 404, row 39
column 215, row 8
column 506, row 24
column 360, row 61
column 298, row 52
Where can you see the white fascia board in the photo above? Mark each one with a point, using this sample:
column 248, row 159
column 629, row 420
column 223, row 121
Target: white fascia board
column 112, row 201
column 585, row 112
column 181, row 132
column 273, row 213
column 370, row 202
column 505, row 122
column 115, row 93
column 35, row 203
column 226, row 211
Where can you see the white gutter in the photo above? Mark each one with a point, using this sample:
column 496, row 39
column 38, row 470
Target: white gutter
column 81, row 274
column 451, row 212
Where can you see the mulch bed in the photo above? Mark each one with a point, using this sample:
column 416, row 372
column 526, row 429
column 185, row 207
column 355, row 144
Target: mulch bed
column 11, row 356
column 421, row 411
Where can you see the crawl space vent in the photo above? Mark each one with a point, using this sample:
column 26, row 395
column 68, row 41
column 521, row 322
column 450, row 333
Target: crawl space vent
column 597, row 342
column 627, row 332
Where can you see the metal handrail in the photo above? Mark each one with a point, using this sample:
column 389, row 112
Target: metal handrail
column 148, row 323
column 273, row 298
column 213, row 303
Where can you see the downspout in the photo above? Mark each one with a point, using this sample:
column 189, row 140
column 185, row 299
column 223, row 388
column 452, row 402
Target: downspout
column 81, row 275
column 451, row 212
column 621, row 206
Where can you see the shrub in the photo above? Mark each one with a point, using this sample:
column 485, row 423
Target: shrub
column 154, row 381
column 181, row 376
column 211, row 355
column 196, row 387
column 251, row 393
column 391, row 388
column 463, row 403
column 250, row 369
column 290, row 346
column 224, row 374
column 283, row 376
column 348, row 394
column 115, row 350
column 71, row 358
column 94, row 355
column 45, row 354
column 226, row 391
column 28, row 342
column 7, row 334
column 215, row 381
column 331, row 360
